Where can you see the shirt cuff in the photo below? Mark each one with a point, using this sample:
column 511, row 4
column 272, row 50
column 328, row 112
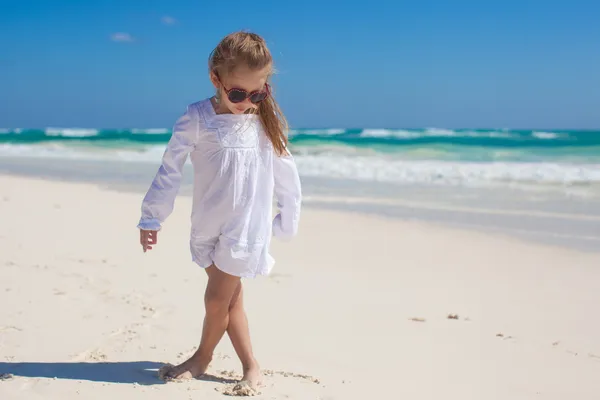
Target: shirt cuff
column 149, row 224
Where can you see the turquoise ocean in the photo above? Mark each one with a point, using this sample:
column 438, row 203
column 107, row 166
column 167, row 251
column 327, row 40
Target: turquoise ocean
column 535, row 184
column 472, row 157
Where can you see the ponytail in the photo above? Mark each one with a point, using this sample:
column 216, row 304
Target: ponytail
column 275, row 124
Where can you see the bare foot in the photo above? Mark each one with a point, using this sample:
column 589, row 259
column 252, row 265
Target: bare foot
column 192, row 368
column 250, row 383
column 252, row 376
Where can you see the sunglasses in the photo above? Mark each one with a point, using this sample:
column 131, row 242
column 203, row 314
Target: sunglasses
column 237, row 95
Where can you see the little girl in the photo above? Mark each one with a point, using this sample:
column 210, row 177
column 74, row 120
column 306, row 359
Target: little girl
column 238, row 147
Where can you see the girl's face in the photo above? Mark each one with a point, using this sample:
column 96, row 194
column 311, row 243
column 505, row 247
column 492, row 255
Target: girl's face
column 240, row 78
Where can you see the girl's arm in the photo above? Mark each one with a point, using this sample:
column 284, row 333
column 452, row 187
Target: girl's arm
column 289, row 196
column 160, row 198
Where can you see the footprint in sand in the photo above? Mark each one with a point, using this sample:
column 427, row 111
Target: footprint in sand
column 285, row 374
column 150, row 311
column 244, row 389
column 10, row 328
column 187, row 354
column 503, row 336
column 90, row 355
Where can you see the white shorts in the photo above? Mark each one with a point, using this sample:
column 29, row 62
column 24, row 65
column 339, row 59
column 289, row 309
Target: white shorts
column 231, row 256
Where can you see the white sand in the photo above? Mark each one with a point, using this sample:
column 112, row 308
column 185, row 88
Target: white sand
column 85, row 312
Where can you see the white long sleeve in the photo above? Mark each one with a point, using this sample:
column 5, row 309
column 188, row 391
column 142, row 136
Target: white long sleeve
column 289, row 196
column 160, row 198
column 236, row 175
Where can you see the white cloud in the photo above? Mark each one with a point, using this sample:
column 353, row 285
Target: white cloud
column 122, row 37
column 168, row 20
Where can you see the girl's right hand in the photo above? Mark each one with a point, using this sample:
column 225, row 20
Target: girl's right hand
column 148, row 239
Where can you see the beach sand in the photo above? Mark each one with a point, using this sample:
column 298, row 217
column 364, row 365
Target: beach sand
column 357, row 307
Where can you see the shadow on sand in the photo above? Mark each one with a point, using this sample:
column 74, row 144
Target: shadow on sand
column 140, row 372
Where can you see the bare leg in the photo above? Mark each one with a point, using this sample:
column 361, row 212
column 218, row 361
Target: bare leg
column 240, row 339
column 219, row 293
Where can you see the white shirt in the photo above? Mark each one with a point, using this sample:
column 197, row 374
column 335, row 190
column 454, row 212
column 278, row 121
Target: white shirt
column 236, row 173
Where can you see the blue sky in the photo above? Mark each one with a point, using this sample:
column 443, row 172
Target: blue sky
column 378, row 64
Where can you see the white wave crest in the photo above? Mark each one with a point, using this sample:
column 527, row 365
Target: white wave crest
column 360, row 167
column 435, row 132
column 150, row 131
column 60, row 151
column 440, row 132
column 431, row 132
column 324, row 132
column 382, row 133
column 4, row 131
column 546, row 135
column 366, row 168
column 71, row 132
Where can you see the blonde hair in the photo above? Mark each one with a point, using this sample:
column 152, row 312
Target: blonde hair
column 250, row 50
